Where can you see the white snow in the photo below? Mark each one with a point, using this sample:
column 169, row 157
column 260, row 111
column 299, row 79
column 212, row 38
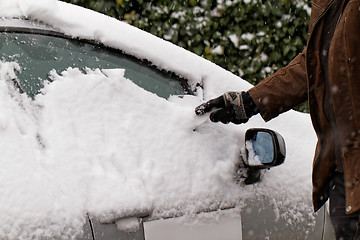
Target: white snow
column 217, row 50
column 234, row 39
column 253, row 159
column 95, row 143
column 248, row 36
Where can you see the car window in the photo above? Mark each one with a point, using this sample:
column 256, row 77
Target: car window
column 38, row 54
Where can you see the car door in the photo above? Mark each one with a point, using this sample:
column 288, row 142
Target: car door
column 39, row 49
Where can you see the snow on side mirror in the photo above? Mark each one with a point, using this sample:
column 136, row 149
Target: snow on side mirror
column 264, row 148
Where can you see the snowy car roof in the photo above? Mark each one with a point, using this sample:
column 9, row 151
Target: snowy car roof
column 96, row 143
column 116, row 34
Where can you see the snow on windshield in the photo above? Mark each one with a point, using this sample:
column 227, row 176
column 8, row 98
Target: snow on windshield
column 96, row 143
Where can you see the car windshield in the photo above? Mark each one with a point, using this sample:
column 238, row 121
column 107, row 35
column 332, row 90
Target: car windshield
column 38, row 54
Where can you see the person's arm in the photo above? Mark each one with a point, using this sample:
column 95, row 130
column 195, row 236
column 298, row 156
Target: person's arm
column 276, row 94
column 285, row 89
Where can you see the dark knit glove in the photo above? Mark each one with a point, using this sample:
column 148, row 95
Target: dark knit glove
column 232, row 107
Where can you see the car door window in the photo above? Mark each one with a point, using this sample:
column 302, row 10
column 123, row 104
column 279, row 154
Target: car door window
column 38, row 54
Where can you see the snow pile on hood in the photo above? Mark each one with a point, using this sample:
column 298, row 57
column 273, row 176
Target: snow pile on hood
column 96, row 143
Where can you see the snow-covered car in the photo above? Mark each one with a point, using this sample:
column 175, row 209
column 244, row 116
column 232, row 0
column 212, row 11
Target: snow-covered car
column 99, row 139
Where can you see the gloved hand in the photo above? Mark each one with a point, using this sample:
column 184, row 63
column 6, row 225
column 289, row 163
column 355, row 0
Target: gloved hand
column 232, row 107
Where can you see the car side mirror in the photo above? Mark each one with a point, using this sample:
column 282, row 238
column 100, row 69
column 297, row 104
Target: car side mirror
column 264, row 148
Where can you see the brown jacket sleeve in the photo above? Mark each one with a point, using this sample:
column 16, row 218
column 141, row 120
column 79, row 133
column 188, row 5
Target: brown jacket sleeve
column 285, row 89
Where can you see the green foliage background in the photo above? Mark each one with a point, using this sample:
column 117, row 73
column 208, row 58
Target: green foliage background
column 251, row 38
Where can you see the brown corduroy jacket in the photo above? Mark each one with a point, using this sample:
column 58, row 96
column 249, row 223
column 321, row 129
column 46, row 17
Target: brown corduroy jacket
column 303, row 79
